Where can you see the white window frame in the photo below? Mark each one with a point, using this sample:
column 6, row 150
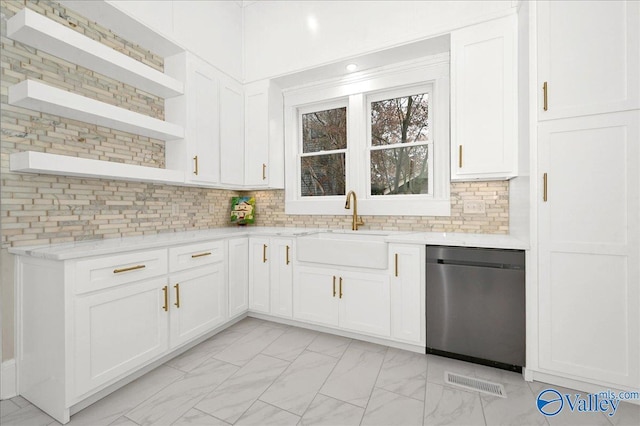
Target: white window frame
column 357, row 90
column 340, row 103
column 392, row 94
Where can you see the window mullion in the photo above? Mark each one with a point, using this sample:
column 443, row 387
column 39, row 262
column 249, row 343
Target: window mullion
column 356, row 145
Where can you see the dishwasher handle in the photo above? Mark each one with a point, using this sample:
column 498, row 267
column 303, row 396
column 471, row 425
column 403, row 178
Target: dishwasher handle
column 458, row 262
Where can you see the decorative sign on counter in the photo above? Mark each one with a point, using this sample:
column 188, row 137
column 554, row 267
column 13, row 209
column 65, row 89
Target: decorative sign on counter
column 243, row 210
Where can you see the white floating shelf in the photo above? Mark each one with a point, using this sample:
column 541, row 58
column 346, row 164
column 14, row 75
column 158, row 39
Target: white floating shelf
column 40, row 97
column 63, row 165
column 36, row 30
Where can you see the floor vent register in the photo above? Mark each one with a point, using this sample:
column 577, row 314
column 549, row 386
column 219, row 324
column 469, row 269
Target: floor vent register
column 471, row 383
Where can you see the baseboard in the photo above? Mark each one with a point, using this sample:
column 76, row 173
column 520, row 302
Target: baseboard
column 586, row 387
column 352, row 335
column 8, row 388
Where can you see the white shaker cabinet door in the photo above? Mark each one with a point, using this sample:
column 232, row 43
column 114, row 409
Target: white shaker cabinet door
column 231, row 132
column 315, row 295
column 257, row 135
column 589, row 260
column 238, row 276
column 364, row 302
column 259, row 264
column 117, row 330
column 588, row 56
column 407, row 292
column 484, row 100
column 198, row 302
column 282, row 277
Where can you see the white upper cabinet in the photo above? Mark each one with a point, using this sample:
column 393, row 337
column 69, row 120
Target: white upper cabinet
column 484, row 100
column 588, row 56
column 198, row 154
column 231, row 132
column 264, row 140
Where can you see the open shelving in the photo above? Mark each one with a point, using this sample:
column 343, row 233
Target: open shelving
column 36, row 30
column 37, row 96
column 63, row 165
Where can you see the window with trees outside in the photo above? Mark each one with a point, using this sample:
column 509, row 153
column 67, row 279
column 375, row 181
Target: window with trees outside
column 324, row 145
column 400, row 145
column 390, row 143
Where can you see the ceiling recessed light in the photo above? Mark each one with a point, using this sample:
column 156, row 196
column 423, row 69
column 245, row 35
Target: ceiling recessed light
column 352, row 67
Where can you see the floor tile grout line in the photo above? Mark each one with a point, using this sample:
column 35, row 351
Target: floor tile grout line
column 150, row 396
column 206, row 414
column 174, row 381
column 240, row 368
column 184, row 374
column 301, row 352
column 291, row 362
column 546, row 421
column 424, row 396
column 374, row 385
column 279, row 408
column 329, row 375
column 398, row 393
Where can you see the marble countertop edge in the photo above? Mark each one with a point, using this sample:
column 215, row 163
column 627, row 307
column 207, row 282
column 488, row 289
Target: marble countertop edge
column 99, row 247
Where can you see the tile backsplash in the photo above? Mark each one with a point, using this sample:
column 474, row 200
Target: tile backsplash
column 494, row 195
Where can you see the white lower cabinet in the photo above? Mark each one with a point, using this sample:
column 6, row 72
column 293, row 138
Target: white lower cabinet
column 117, row 330
column 271, row 275
column 259, row 291
column 352, row 300
column 364, row 302
column 198, row 302
column 589, row 248
column 314, row 296
column 87, row 323
column 408, row 280
column 238, row 270
column 281, row 277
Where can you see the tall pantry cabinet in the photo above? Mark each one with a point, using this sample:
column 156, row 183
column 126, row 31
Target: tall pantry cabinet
column 588, row 207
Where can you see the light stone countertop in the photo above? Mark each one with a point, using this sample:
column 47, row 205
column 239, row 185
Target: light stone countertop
column 81, row 249
column 460, row 239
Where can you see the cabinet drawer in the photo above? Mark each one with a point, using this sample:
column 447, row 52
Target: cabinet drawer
column 194, row 255
column 109, row 271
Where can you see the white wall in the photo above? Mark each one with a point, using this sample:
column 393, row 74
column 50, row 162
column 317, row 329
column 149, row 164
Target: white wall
column 288, row 36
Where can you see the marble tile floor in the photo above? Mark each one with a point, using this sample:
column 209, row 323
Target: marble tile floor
column 263, row 373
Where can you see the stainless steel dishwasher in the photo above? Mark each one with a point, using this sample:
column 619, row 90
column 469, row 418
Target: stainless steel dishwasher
column 476, row 305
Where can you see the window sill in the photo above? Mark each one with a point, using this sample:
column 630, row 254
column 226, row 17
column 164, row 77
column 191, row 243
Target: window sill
column 397, row 207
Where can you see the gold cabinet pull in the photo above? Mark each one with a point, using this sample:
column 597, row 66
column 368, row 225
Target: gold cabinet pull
column 340, row 287
column 545, row 90
column 334, row 286
column 165, row 289
column 264, row 171
column 195, row 160
column 264, row 253
column 460, row 157
column 396, row 256
column 193, row 256
column 287, row 256
column 544, row 187
column 131, row 268
column 177, row 287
